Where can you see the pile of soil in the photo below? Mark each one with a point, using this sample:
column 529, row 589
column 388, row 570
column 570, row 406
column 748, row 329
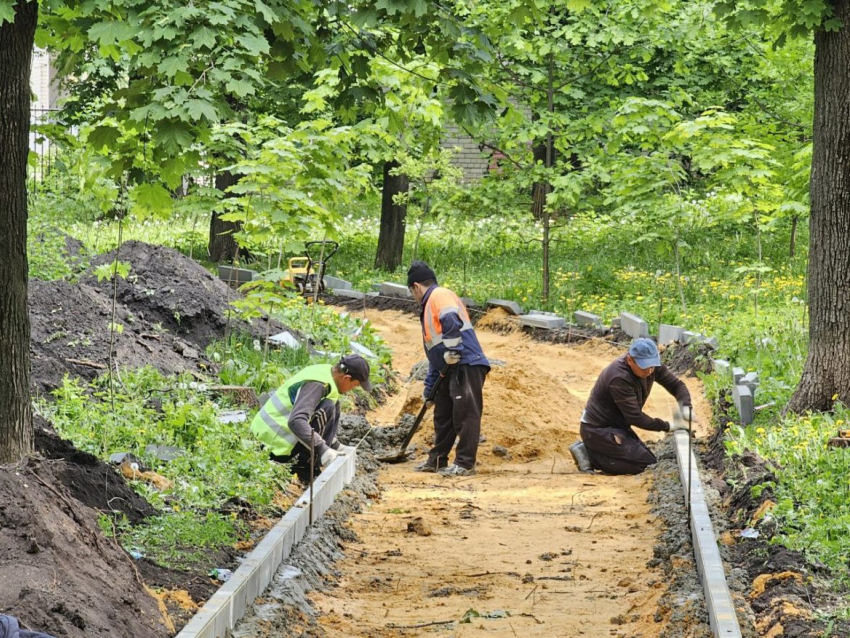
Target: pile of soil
column 167, row 288
column 168, row 309
column 687, row 359
column 88, row 479
column 58, row 572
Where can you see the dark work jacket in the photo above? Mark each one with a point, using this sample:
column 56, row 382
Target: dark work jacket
column 470, row 349
column 618, row 397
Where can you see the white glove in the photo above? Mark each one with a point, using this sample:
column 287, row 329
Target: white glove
column 345, row 449
column 451, row 357
column 687, row 413
column 328, row 456
column 678, row 425
column 428, row 402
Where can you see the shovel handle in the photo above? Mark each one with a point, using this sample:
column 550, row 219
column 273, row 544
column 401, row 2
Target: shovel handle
column 430, row 397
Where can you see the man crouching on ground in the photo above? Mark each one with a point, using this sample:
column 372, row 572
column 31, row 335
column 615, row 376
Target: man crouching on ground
column 301, row 418
column 616, row 402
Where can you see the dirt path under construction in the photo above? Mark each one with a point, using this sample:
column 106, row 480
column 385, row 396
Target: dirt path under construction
column 564, row 554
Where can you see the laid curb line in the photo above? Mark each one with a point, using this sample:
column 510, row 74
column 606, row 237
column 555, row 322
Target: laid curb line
column 227, row 606
column 718, row 599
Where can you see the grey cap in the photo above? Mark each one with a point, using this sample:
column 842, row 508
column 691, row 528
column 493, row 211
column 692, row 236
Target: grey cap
column 645, row 353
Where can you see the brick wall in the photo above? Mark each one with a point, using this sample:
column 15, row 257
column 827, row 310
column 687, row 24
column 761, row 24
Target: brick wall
column 471, row 159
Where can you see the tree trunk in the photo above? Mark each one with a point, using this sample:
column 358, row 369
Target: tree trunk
column 792, row 245
column 222, row 245
column 550, row 161
column 538, row 189
column 827, row 369
column 16, row 46
column 393, row 215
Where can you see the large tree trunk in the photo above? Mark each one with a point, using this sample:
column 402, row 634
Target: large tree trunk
column 393, row 216
column 16, row 45
column 827, row 369
column 539, row 189
column 222, row 245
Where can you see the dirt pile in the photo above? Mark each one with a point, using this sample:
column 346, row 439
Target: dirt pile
column 168, row 310
column 165, row 287
column 58, row 572
column 88, row 479
column 70, row 334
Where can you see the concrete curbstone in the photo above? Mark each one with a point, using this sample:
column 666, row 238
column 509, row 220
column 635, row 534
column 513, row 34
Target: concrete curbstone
column 669, row 334
column 335, row 283
column 718, row 599
column 351, row 294
column 633, row 325
column 743, row 398
column 389, row 289
column 226, row 607
column 512, row 307
column 722, row 367
column 737, row 374
column 546, row 322
column 587, row 319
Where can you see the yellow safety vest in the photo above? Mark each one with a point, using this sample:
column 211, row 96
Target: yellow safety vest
column 271, row 424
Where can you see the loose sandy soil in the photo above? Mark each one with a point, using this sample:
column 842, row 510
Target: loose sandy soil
column 563, row 553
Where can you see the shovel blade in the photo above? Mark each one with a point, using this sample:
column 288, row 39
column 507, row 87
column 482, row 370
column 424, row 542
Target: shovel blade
column 398, row 457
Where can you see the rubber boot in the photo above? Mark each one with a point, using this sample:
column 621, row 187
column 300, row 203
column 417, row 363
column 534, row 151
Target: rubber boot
column 581, row 457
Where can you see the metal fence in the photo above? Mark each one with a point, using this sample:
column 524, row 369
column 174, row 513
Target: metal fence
column 42, row 149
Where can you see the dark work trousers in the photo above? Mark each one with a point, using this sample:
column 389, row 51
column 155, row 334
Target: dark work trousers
column 616, row 451
column 457, row 416
column 299, row 458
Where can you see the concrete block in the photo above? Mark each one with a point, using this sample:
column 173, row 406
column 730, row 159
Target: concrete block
column 737, row 374
column 285, row 339
column 512, row 307
column 722, row 367
column 237, row 275
column 226, row 607
column 335, row 283
column 691, row 337
column 376, row 287
column 751, row 380
column 718, row 598
column 587, row 319
column 711, row 342
column 164, row 452
column 351, row 294
column 743, row 397
column 373, row 294
column 232, row 416
column 542, row 321
column 389, row 289
column 633, row 325
column 545, row 313
column 363, row 351
column 669, row 334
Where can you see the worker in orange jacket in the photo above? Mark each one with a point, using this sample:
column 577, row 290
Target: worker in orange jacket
column 450, row 339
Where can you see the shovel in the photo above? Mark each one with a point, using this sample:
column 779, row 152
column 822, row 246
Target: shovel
column 402, row 454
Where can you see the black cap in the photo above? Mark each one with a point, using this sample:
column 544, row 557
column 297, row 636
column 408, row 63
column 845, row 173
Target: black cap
column 357, row 368
column 419, row 271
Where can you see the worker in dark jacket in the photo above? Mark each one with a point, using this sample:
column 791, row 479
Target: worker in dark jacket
column 299, row 421
column 616, row 402
column 450, row 340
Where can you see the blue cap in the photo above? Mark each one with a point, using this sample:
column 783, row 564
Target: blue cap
column 645, row 353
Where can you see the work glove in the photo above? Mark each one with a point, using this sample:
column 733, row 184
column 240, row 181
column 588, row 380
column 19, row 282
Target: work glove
column 687, row 413
column 346, row 449
column 451, row 357
column 678, row 424
column 328, row 456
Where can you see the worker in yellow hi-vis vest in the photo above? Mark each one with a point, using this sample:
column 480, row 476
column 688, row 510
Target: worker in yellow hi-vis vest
column 301, row 418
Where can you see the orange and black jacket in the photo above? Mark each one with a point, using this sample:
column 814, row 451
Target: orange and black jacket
column 446, row 326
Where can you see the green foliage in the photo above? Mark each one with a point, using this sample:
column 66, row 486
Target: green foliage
column 222, row 460
column 115, row 268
